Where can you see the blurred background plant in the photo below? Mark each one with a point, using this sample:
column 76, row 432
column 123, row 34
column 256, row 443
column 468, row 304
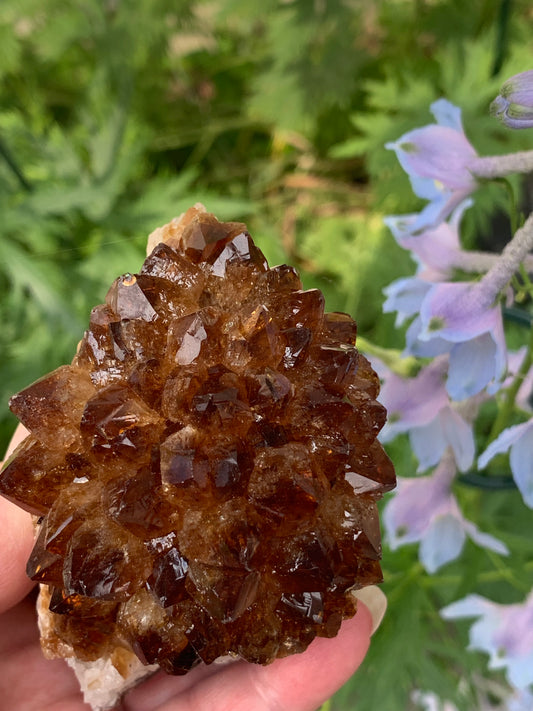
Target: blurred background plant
column 117, row 115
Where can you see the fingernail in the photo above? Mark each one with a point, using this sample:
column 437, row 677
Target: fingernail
column 374, row 598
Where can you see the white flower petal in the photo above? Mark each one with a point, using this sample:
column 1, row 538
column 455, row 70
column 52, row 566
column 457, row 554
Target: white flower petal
column 428, row 444
column 485, row 540
column 442, row 543
column 520, row 671
column 447, row 114
column 502, row 443
column 459, row 436
column 469, row 606
column 521, row 461
column 472, row 366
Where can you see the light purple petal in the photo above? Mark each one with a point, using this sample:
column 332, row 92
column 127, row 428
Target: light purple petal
column 502, row 443
column 459, row 436
column 436, row 249
column 424, row 349
column 505, row 632
column 414, row 401
column 407, row 516
column 521, row 461
column 446, row 114
column 405, row 296
column 442, row 543
column 415, row 504
column 427, row 189
column 435, row 211
column 447, row 429
column 472, row 366
column 436, row 246
column 482, row 634
column 428, row 444
column 399, row 225
column 524, row 399
column 437, row 152
column 469, row 606
column 520, row 671
column 458, row 311
column 485, row 540
column 515, row 633
column 439, row 208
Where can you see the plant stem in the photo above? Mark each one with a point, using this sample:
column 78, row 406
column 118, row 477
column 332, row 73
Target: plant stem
column 490, row 167
column 393, row 358
column 489, row 576
column 473, row 261
column 514, row 253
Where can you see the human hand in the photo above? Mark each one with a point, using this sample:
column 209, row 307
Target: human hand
column 29, row 682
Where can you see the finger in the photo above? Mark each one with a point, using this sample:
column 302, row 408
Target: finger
column 300, row 683
column 28, row 681
column 15, row 547
column 19, row 435
column 16, row 543
column 161, row 687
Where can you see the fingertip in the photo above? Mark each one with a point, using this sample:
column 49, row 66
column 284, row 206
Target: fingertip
column 375, row 600
column 19, row 436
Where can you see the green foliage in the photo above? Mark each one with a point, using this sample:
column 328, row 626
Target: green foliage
column 117, row 115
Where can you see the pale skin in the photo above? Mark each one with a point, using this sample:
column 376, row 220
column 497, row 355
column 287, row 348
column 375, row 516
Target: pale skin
column 29, row 682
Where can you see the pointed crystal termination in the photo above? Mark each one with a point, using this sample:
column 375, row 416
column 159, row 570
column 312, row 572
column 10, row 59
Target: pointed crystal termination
column 207, row 469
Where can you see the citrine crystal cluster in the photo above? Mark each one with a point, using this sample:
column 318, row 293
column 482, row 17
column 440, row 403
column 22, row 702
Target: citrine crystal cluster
column 206, row 471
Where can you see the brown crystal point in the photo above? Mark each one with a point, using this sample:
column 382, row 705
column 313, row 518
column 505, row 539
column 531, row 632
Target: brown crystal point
column 51, row 407
column 116, row 422
column 43, row 565
column 207, row 469
column 167, row 580
column 35, row 474
column 128, row 301
column 103, row 562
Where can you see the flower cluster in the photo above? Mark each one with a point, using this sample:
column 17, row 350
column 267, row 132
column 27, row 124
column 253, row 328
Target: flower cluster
column 455, row 333
column 505, row 632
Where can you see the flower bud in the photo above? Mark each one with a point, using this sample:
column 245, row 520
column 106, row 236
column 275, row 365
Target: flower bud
column 514, row 105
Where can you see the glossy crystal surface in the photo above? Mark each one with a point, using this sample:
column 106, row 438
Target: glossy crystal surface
column 206, row 470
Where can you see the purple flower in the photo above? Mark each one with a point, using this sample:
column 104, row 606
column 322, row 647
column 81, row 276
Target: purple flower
column 424, row 510
column 505, row 632
column 464, row 316
column 405, row 296
column 514, row 104
column 437, row 159
column 421, row 407
column 459, row 318
column 436, row 250
column 518, row 439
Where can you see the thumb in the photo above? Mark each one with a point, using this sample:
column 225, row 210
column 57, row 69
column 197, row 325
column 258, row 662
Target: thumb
column 15, row 544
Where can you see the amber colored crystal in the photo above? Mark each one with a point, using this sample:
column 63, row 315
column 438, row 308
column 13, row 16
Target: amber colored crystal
column 207, row 469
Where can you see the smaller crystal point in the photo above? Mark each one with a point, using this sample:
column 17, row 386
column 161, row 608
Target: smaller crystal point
column 207, row 469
